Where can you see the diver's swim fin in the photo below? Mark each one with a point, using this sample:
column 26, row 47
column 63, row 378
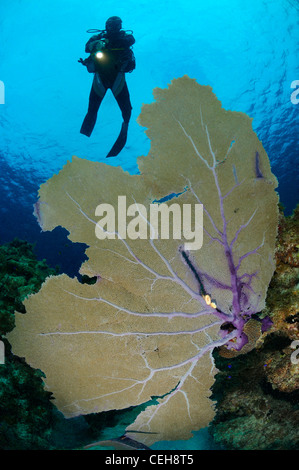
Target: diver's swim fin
column 120, row 141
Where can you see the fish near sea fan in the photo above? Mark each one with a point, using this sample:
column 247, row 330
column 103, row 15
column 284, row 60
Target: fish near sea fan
column 148, row 326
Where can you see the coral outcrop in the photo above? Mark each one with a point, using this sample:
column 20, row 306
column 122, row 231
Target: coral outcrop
column 258, row 393
column 25, row 407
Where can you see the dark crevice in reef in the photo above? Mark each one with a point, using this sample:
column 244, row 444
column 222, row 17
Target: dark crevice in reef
column 276, row 342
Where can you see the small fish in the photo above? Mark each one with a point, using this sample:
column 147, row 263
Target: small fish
column 121, row 443
column 258, row 172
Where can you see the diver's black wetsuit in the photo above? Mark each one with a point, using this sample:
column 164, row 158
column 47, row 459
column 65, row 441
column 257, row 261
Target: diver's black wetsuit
column 110, row 74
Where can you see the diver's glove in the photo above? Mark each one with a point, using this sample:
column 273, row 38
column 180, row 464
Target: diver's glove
column 84, row 61
column 98, row 45
column 89, row 63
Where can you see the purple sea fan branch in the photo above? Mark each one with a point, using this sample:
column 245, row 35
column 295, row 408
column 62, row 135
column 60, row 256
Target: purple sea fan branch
column 194, row 146
column 241, row 228
column 239, row 298
column 231, row 189
column 227, row 248
column 252, row 252
column 205, row 210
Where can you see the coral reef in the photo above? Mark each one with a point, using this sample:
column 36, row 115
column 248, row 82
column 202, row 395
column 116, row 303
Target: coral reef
column 258, row 393
column 25, row 409
column 20, row 275
column 283, row 305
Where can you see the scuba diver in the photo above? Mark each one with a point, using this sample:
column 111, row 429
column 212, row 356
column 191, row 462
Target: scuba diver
column 110, row 58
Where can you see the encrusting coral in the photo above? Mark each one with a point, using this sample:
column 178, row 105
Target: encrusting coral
column 283, row 305
column 149, row 324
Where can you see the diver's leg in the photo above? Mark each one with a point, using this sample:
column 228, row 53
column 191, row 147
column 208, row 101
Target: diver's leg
column 123, row 100
column 95, row 100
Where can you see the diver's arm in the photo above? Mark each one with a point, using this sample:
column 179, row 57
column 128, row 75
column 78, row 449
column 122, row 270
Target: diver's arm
column 123, row 39
column 89, row 47
column 129, row 40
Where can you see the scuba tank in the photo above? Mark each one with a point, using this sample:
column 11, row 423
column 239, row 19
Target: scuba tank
column 128, row 61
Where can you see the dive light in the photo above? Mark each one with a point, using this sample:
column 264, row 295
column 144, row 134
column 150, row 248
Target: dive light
column 99, row 55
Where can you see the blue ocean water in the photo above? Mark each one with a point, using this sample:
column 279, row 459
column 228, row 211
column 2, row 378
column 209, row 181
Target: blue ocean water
column 247, row 50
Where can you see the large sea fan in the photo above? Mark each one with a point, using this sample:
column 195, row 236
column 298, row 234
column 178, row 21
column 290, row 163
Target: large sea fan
column 148, row 326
